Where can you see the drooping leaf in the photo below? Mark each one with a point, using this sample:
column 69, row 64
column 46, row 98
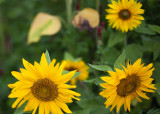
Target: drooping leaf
column 158, row 88
column 87, row 15
column 43, row 24
column 155, row 28
column 47, row 57
column 120, row 61
column 101, row 67
column 154, row 111
column 75, row 75
column 143, row 28
column 115, row 38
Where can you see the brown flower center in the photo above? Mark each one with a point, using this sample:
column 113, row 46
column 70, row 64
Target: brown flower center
column 125, row 14
column 128, row 85
column 71, row 68
column 44, row 90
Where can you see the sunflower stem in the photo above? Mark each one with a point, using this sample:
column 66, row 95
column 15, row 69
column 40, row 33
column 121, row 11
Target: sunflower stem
column 69, row 11
column 125, row 41
column 2, row 38
column 97, row 5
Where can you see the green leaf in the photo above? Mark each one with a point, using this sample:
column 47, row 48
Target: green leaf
column 156, row 50
column 115, row 38
column 101, row 67
column 158, row 88
column 47, row 57
column 94, row 102
column 154, row 111
column 134, row 52
column 143, row 28
column 68, row 56
column 96, row 81
column 120, row 61
column 75, row 75
column 85, row 111
column 101, row 110
column 20, row 109
column 155, row 28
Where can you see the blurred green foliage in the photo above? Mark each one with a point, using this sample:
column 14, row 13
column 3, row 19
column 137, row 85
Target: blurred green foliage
column 15, row 20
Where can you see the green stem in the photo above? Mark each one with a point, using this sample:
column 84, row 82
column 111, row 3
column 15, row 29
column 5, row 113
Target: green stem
column 97, row 5
column 2, row 38
column 69, row 11
column 125, row 41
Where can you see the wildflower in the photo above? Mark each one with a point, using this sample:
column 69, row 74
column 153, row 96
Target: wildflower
column 123, row 86
column 43, row 86
column 124, row 15
column 80, row 66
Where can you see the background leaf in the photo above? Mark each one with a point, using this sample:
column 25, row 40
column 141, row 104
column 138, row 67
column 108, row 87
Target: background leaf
column 133, row 52
column 120, row 60
column 115, row 38
column 155, row 28
column 85, row 111
column 101, row 67
column 47, row 57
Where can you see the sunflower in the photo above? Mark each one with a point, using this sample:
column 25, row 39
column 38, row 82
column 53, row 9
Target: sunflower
column 123, row 86
column 124, row 15
column 43, row 86
column 80, row 66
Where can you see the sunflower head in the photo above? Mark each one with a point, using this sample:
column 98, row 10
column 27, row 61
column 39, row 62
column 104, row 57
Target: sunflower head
column 43, row 86
column 123, row 86
column 124, row 15
column 79, row 66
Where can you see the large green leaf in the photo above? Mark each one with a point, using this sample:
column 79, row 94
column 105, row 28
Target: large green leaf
column 133, row 52
column 158, row 88
column 115, row 38
column 154, row 111
column 143, row 28
column 120, row 61
column 101, row 67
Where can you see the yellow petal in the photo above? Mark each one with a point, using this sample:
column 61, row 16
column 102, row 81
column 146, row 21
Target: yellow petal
column 19, row 93
column 16, row 102
column 120, row 103
column 128, row 102
column 141, row 94
column 63, row 106
column 65, row 78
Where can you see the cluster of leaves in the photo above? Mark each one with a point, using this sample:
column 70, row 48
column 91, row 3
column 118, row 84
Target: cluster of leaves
column 144, row 42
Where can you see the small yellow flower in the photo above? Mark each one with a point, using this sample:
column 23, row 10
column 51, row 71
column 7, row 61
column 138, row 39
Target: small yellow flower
column 43, row 86
column 123, row 86
column 80, row 66
column 124, row 15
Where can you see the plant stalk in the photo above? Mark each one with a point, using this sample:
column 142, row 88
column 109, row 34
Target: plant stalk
column 69, row 11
